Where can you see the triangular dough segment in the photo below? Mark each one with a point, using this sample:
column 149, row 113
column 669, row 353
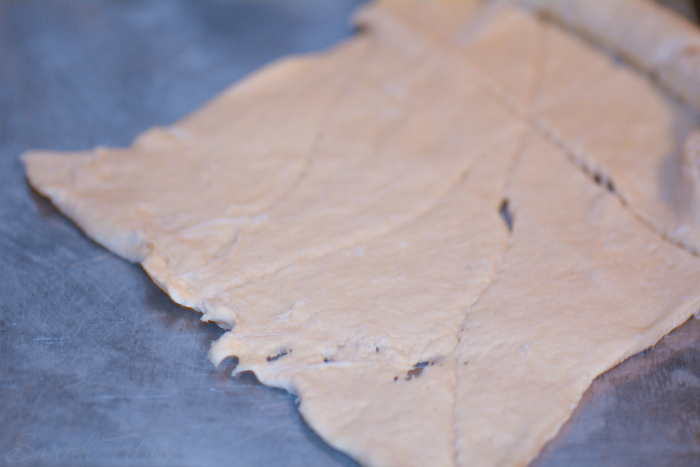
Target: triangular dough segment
column 584, row 285
column 625, row 131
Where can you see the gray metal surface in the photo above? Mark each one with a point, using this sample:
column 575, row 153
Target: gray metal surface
column 98, row 366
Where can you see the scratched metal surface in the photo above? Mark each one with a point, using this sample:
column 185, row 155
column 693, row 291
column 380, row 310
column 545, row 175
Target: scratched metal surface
column 97, row 366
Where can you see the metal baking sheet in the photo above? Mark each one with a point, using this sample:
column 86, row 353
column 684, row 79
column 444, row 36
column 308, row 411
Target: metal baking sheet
column 97, row 365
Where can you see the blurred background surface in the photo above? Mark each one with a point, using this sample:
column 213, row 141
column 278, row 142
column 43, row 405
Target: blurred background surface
column 98, row 366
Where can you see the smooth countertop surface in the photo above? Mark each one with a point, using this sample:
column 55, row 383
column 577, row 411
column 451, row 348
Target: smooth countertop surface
column 97, row 365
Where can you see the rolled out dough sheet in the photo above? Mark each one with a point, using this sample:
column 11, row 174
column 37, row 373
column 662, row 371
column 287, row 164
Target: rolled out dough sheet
column 435, row 233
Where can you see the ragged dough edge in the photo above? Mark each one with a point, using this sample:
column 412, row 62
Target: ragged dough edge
column 133, row 246
column 234, row 345
column 423, row 395
column 130, row 245
column 314, row 403
column 286, row 374
column 48, row 173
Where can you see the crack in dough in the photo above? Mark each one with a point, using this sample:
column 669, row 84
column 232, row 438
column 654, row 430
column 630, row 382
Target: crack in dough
column 538, row 63
column 625, row 129
column 340, row 215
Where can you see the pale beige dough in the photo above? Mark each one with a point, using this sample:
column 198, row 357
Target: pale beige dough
column 583, row 286
column 610, row 119
column 355, row 322
column 339, row 214
column 653, row 38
